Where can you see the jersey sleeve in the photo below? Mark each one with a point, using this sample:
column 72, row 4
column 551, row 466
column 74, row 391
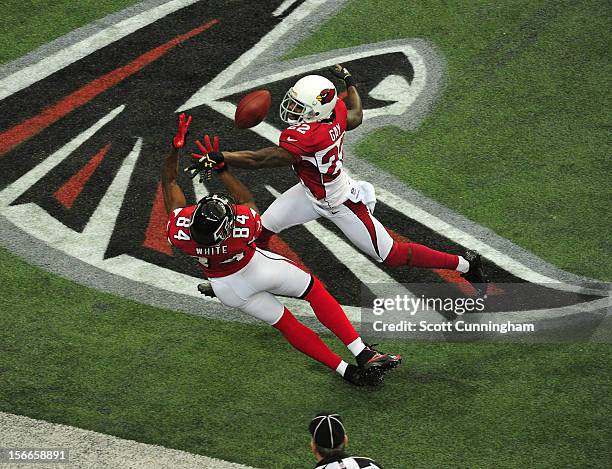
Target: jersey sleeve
column 294, row 142
column 341, row 114
column 171, row 219
column 256, row 225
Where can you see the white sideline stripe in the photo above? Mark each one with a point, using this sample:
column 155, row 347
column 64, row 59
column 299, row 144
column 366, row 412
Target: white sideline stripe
column 51, row 64
column 283, row 7
column 92, row 449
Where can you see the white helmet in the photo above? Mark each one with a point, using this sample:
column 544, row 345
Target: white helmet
column 313, row 98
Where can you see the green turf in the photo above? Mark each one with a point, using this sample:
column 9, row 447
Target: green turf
column 520, row 138
column 28, row 24
column 239, row 392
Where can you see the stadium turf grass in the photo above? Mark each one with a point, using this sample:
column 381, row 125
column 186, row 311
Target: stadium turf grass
column 72, row 355
column 519, row 139
column 28, row 24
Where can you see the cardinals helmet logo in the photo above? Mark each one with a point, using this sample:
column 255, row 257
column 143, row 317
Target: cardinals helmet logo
column 325, row 96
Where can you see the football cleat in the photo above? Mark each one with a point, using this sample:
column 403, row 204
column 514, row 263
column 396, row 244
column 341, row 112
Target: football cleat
column 371, row 358
column 364, row 377
column 476, row 275
column 205, row 288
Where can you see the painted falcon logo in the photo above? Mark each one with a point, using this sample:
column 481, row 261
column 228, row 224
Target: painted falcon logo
column 82, row 137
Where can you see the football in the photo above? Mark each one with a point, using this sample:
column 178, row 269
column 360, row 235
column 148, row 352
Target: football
column 252, row 109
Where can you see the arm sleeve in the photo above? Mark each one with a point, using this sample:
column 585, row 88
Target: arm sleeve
column 256, row 225
column 170, row 223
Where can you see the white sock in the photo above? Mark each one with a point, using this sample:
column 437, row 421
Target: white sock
column 463, row 266
column 341, row 369
column 356, row 346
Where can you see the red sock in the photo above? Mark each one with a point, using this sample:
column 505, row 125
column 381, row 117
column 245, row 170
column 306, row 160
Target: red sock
column 417, row 255
column 263, row 240
column 330, row 313
column 306, row 341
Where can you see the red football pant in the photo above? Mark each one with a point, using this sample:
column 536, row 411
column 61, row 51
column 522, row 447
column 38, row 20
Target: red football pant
column 330, row 313
column 417, row 255
column 306, row 341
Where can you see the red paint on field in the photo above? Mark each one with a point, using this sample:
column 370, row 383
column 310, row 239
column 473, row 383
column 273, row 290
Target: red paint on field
column 278, row 246
column 17, row 134
column 68, row 193
column 155, row 235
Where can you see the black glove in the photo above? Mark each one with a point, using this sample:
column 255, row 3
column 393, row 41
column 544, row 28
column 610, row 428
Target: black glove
column 213, row 160
column 341, row 72
column 206, row 289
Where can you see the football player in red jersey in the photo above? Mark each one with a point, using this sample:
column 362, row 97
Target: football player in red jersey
column 221, row 233
column 313, row 145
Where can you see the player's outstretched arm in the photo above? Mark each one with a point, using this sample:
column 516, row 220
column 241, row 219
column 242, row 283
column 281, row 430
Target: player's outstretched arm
column 271, row 157
column 352, row 100
column 173, row 194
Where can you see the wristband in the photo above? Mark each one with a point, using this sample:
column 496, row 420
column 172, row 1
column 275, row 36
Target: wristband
column 350, row 81
column 222, row 168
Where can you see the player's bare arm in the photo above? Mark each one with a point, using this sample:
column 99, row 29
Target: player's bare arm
column 270, row 157
column 173, row 194
column 352, row 100
column 241, row 194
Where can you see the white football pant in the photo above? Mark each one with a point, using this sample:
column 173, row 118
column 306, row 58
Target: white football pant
column 252, row 288
column 354, row 217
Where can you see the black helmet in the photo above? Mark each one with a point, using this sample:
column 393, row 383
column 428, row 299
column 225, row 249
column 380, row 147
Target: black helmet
column 213, row 219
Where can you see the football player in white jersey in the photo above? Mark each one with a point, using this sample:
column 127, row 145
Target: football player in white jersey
column 221, row 234
column 313, row 146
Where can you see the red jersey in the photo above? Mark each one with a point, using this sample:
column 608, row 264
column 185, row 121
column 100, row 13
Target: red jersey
column 317, row 152
column 225, row 258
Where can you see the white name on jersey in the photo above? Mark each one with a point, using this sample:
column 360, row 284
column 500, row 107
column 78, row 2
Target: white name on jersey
column 334, row 132
column 212, row 250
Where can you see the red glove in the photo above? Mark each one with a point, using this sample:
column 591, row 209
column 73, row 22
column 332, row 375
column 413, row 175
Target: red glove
column 179, row 139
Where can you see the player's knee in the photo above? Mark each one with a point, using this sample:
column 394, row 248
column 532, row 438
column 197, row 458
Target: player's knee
column 399, row 255
column 286, row 322
column 313, row 288
column 268, row 223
